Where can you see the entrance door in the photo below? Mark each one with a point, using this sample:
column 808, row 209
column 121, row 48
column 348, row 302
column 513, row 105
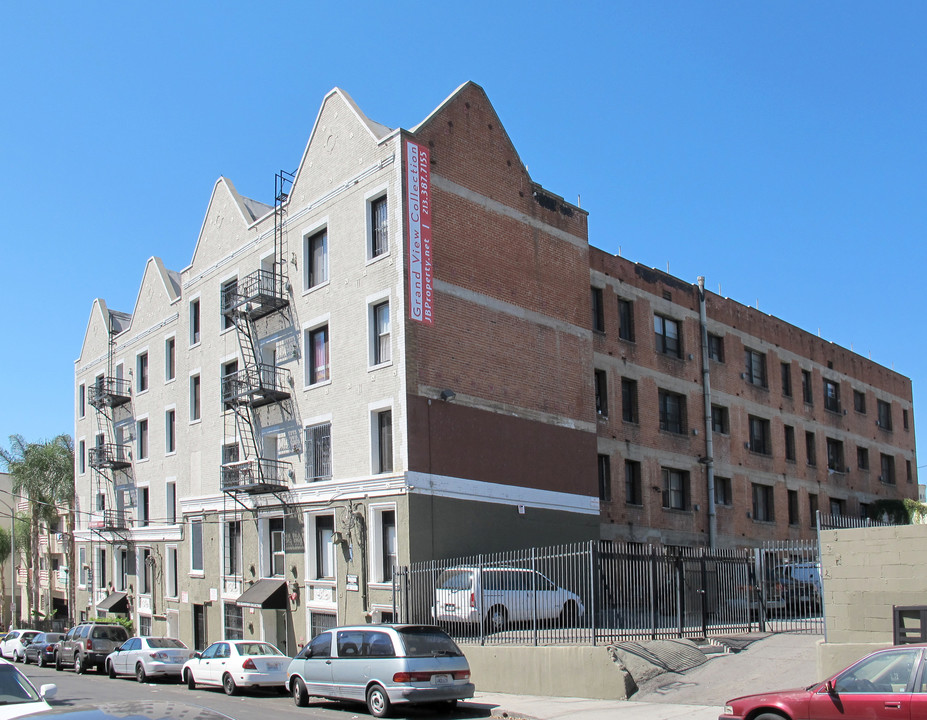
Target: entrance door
column 199, row 627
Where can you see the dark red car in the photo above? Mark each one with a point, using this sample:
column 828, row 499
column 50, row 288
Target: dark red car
column 889, row 683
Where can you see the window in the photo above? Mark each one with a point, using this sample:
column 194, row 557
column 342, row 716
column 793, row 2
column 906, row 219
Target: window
column 672, row 412
column 666, row 334
column 813, row 508
column 316, row 259
column 83, row 578
column 81, row 400
column 809, row 449
column 381, row 334
column 629, row 400
column 170, row 502
column 723, row 492
column 675, row 489
column 716, row 347
column 862, row 458
column 793, row 508
column 885, row 414
column 605, row 478
column 379, row 227
column 763, row 508
column 170, row 437
column 125, row 566
column 82, row 457
column 806, row 387
column 141, row 372
column 633, row 492
column 196, row 546
column 786, row 379
column 170, row 359
column 789, row 443
column 831, row 395
column 141, row 441
column 388, row 551
column 233, row 620
column 194, row 322
column 904, row 418
column 145, row 561
column 277, row 547
column 230, row 453
column 756, row 367
column 231, row 386
column 170, row 576
column 892, row 670
column 194, row 398
column 384, row 441
column 888, row 469
column 231, row 540
column 317, row 367
column 598, row 310
column 720, row 419
column 319, row 452
column 859, row 401
column 324, row 547
column 835, row 455
column 759, row 436
column 909, row 472
column 601, row 393
column 838, row 506
column 626, row 320
column 144, row 506
column 228, row 298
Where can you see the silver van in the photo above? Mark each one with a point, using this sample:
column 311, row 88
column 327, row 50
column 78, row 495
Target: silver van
column 381, row 665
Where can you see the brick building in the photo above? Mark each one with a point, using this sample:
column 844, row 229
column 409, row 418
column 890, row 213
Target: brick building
column 413, row 352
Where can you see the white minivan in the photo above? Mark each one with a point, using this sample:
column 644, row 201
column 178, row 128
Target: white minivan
column 501, row 596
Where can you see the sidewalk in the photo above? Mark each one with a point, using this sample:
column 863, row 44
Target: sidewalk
column 775, row 662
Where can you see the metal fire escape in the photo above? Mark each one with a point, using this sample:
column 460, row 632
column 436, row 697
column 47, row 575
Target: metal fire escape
column 110, row 458
column 257, row 384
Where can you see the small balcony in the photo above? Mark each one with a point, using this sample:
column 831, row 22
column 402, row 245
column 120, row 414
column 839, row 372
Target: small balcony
column 110, row 456
column 256, row 386
column 258, row 294
column 109, row 520
column 109, row 392
column 256, row 476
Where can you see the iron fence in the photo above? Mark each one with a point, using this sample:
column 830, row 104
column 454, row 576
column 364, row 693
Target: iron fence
column 605, row 592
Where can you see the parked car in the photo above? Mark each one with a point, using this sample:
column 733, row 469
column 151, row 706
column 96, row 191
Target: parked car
column 42, row 649
column 14, row 644
column 502, row 595
column 381, row 665
column 87, row 645
column 147, row 657
column 885, row 684
column 18, row 695
column 234, row 664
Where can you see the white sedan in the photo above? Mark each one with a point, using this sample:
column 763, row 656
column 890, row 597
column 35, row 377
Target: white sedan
column 147, row 657
column 233, row 664
column 18, row 696
column 14, row 644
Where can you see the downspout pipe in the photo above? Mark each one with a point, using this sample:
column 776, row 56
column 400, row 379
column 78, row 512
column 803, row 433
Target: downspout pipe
column 708, row 460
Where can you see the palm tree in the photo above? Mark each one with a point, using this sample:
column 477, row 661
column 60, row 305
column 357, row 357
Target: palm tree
column 5, row 549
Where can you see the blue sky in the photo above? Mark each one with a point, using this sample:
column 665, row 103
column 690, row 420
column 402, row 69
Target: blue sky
column 778, row 148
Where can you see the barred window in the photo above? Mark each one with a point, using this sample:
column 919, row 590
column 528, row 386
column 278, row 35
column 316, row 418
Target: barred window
column 319, row 452
column 379, row 227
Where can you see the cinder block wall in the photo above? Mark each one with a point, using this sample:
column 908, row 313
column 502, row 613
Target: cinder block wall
column 866, row 571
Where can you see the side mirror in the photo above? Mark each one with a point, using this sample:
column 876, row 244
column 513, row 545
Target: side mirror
column 197, row 655
column 48, row 691
column 831, row 689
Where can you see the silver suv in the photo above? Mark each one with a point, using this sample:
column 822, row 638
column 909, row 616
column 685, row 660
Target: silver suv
column 88, row 644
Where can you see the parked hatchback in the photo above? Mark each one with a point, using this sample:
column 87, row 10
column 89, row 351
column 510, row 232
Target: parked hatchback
column 381, row 665
column 502, row 595
column 87, row 645
column 13, row 646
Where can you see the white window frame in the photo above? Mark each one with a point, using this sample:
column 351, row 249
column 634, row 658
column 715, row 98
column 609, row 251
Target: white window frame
column 374, row 410
column 372, row 196
column 312, row 554
column 307, row 233
column 82, row 455
column 167, row 359
column 170, row 501
column 198, row 571
column 195, row 300
column 197, row 373
column 171, row 432
column 82, row 401
column 143, row 352
column 308, row 328
column 139, row 457
column 143, row 513
column 145, row 580
column 225, row 322
column 373, row 302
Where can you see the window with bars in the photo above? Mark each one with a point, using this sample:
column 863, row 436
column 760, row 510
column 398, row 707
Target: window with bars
column 379, row 227
column 716, row 347
column 764, row 508
column 723, row 494
column 885, row 414
column 759, row 435
column 835, row 455
column 233, row 620
column 319, row 452
column 720, row 420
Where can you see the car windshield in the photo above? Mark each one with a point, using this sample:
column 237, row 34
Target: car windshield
column 257, row 649
column 427, row 641
column 165, row 643
column 14, row 687
column 455, row 580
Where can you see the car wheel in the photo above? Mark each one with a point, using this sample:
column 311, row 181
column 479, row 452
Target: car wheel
column 191, row 683
column 770, row 716
column 57, row 662
column 140, row 673
column 79, row 664
column 111, row 670
column 17, row 657
column 300, row 694
column 378, row 703
column 41, row 660
column 228, row 684
column 496, row 618
column 25, row 659
column 569, row 615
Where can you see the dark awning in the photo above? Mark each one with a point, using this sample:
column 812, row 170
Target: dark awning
column 265, row 595
column 117, row 602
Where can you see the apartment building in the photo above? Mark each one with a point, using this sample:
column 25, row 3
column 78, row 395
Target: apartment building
column 413, row 352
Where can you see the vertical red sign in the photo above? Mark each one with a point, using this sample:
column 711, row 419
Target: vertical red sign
column 418, row 221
